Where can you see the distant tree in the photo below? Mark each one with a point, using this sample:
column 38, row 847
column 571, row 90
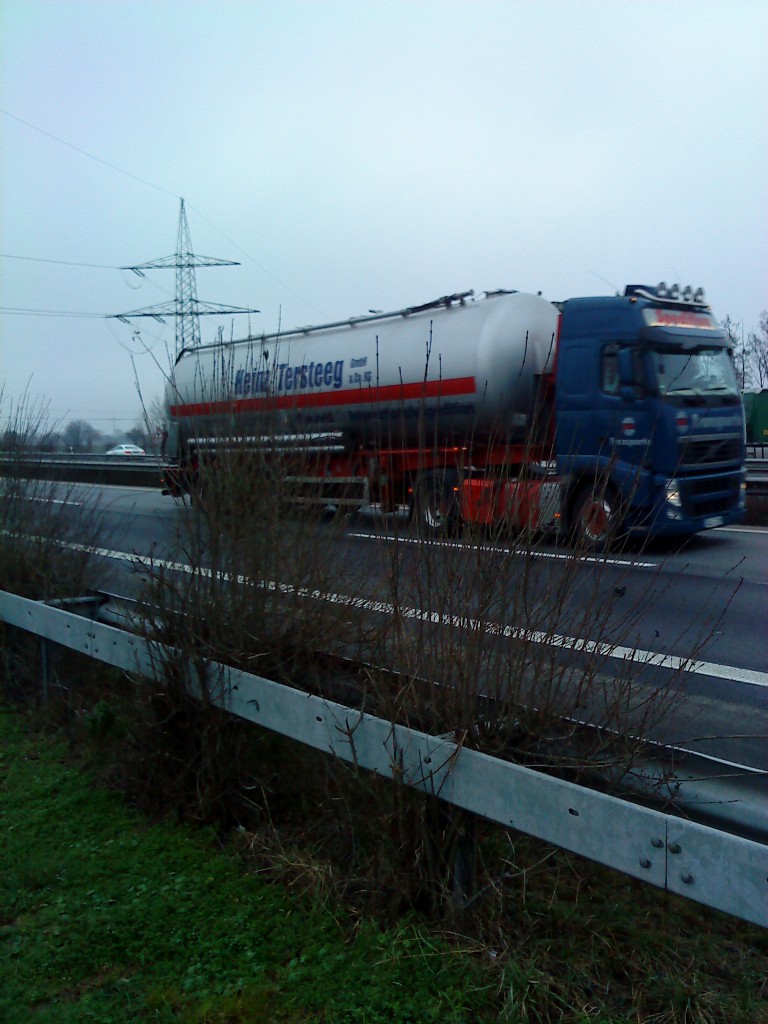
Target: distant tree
column 147, row 430
column 758, row 353
column 49, row 442
column 734, row 334
column 10, row 440
column 138, row 435
column 156, row 413
column 750, row 355
column 80, row 436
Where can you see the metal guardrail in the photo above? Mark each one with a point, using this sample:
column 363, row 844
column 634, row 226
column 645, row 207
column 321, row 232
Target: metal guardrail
column 757, row 476
column 127, row 470
column 146, row 470
column 81, row 460
column 718, row 869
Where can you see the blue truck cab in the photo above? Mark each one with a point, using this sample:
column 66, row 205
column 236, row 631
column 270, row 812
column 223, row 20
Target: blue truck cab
column 649, row 420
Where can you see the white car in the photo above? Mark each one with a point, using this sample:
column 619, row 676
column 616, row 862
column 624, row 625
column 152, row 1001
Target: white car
column 126, row 449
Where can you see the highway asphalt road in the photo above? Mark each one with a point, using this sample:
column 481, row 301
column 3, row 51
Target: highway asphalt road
column 706, row 600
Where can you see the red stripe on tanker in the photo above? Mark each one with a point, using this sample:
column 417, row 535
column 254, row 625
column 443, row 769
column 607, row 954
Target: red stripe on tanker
column 364, row 393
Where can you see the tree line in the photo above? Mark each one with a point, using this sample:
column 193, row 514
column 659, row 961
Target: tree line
column 750, row 354
column 81, row 437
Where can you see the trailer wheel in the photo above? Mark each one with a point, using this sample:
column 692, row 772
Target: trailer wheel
column 596, row 518
column 435, row 505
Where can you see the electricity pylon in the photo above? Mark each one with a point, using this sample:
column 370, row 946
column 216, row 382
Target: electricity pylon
column 186, row 307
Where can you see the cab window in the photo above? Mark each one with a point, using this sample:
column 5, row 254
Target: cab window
column 609, row 371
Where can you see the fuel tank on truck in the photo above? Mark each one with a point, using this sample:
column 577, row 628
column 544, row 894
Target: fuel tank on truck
column 442, row 373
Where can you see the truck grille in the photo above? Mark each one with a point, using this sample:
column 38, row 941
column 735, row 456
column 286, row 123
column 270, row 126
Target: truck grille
column 711, row 496
column 709, row 451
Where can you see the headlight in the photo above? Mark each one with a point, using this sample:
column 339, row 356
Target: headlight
column 673, row 496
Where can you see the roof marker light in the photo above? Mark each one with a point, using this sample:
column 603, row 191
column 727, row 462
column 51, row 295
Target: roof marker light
column 687, row 295
column 661, row 290
column 674, row 292
column 698, row 296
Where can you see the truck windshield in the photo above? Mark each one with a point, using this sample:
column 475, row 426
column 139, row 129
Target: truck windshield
column 695, row 377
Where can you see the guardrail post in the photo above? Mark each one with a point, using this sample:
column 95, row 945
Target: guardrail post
column 44, row 669
column 463, row 863
column 451, row 835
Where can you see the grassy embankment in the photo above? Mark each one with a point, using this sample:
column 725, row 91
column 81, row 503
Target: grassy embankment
column 106, row 916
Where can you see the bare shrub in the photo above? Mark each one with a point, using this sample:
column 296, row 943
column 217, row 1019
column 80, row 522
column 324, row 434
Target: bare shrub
column 49, row 533
column 521, row 650
column 259, row 596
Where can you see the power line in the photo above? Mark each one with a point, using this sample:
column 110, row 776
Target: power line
column 65, row 263
column 84, row 152
column 255, row 262
column 17, row 311
column 100, row 419
column 73, row 263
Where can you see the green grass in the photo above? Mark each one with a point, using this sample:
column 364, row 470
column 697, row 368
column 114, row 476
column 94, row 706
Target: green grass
column 105, row 917
column 108, row 916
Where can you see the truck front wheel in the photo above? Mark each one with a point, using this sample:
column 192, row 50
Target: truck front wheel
column 596, row 518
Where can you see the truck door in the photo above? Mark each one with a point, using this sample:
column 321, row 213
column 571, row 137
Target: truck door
column 608, row 407
column 626, row 429
column 574, row 404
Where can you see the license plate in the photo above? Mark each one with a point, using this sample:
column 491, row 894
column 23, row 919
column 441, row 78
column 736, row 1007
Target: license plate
column 713, row 521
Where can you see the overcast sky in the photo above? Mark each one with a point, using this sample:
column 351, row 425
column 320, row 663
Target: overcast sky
column 363, row 155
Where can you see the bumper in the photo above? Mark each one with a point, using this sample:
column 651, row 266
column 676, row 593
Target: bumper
column 687, row 505
column 667, row 526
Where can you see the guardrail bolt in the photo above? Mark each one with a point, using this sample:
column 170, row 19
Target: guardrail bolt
column 686, row 879
column 644, row 862
column 657, row 843
column 674, row 847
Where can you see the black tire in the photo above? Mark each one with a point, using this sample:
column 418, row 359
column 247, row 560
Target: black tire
column 436, row 505
column 596, row 519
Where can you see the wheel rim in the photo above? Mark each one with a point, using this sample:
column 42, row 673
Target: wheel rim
column 595, row 519
column 434, row 513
